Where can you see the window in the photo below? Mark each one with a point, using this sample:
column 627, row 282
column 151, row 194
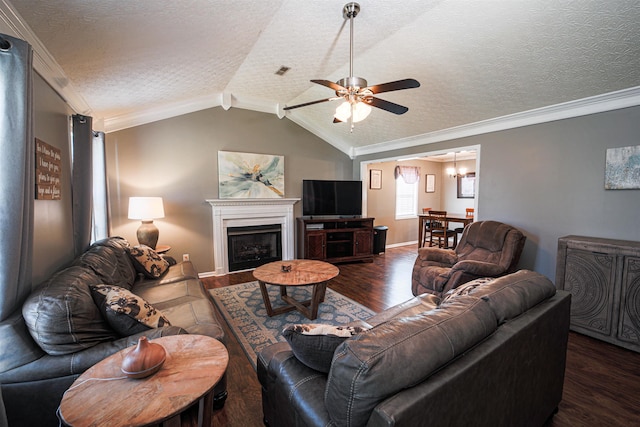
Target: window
column 100, row 224
column 406, row 199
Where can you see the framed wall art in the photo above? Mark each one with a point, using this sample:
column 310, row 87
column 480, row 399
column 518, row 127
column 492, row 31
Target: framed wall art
column 375, row 179
column 622, row 170
column 250, row 176
column 48, row 171
column 430, row 186
column 467, row 186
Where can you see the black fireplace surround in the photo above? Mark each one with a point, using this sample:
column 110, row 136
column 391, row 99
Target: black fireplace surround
column 253, row 246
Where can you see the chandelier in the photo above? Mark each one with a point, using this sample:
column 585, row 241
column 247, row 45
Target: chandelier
column 454, row 172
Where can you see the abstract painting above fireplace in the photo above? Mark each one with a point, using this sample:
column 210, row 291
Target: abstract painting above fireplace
column 250, row 176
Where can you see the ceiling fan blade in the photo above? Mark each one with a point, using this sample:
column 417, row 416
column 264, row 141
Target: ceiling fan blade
column 311, row 103
column 329, row 84
column 386, row 105
column 397, row 85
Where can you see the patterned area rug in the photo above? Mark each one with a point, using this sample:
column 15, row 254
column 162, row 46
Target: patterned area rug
column 243, row 309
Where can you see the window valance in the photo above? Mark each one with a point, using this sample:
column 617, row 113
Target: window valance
column 410, row 174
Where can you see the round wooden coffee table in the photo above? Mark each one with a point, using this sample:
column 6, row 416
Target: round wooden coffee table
column 103, row 396
column 299, row 272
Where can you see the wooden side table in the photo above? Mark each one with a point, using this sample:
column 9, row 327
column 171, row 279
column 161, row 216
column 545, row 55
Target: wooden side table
column 103, row 396
column 302, row 272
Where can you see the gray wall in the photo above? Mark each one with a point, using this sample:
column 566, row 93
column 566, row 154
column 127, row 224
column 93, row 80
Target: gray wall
column 53, row 234
column 548, row 180
column 177, row 159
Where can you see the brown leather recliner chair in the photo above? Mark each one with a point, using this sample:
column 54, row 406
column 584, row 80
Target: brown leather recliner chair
column 486, row 249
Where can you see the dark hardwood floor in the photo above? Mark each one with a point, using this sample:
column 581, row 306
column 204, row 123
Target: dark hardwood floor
column 602, row 381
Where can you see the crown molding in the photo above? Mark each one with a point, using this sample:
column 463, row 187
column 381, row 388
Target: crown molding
column 222, row 99
column 43, row 62
column 129, row 120
column 582, row 107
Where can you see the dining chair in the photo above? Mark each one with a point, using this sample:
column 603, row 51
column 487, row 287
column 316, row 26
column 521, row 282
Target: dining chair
column 440, row 230
column 426, row 227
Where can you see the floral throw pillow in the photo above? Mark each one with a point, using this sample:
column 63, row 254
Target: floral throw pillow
column 148, row 262
column 126, row 313
column 314, row 344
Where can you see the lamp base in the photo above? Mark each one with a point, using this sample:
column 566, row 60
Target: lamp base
column 147, row 234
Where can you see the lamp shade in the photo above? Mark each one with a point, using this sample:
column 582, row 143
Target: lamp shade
column 145, row 208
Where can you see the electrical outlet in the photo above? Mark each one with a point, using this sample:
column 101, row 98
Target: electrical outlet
column 185, row 257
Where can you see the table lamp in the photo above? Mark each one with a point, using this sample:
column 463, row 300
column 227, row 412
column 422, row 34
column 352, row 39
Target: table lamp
column 146, row 209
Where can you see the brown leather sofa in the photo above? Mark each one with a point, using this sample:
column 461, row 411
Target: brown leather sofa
column 490, row 353
column 41, row 356
column 486, row 249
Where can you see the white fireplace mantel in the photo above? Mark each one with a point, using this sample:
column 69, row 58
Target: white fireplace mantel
column 247, row 212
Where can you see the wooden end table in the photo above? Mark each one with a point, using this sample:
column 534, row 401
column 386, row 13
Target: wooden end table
column 194, row 365
column 303, row 272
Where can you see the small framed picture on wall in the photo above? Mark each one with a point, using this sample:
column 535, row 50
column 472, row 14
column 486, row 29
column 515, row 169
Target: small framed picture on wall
column 375, row 179
column 467, row 186
column 430, row 186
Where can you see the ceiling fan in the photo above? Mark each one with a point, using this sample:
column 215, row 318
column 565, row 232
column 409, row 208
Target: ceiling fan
column 358, row 97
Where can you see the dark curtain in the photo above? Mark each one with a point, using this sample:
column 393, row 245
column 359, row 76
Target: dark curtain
column 17, row 181
column 81, row 182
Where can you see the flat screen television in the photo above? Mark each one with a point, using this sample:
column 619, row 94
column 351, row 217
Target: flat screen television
column 331, row 198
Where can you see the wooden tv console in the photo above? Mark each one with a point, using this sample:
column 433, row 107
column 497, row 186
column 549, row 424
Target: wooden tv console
column 335, row 240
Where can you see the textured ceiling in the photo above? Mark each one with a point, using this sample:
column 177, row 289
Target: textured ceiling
column 475, row 60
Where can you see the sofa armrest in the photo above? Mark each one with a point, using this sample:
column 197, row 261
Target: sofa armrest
column 51, row 367
column 292, row 393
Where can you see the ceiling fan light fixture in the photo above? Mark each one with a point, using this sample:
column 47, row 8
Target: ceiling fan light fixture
column 360, row 111
column 357, row 94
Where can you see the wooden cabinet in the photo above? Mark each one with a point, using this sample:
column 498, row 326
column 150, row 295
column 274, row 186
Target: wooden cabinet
column 336, row 240
column 603, row 276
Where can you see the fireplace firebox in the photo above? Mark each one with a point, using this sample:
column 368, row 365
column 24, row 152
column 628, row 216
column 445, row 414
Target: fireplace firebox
column 253, row 246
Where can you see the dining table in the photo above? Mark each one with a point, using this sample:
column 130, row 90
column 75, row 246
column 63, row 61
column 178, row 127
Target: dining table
column 461, row 218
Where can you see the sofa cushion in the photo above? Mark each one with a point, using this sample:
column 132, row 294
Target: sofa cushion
column 511, row 295
column 109, row 260
column 379, row 362
column 176, row 273
column 148, row 262
column 61, row 315
column 170, row 294
column 314, row 344
column 196, row 317
column 127, row 313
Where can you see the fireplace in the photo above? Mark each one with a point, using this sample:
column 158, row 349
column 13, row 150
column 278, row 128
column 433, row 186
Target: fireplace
column 253, row 246
column 229, row 214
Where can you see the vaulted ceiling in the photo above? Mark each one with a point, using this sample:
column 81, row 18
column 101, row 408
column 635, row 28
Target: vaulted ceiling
column 482, row 65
